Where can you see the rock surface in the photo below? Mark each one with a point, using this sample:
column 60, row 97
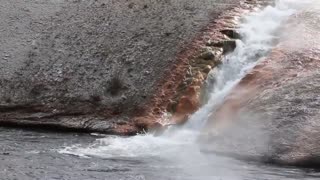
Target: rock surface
column 93, row 65
column 273, row 114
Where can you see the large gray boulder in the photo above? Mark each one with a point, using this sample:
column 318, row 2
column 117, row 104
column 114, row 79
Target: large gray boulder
column 90, row 63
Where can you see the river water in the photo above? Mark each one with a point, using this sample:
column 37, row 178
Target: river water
column 176, row 154
column 31, row 155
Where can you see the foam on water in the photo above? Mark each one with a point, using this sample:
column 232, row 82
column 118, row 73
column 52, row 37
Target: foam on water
column 258, row 30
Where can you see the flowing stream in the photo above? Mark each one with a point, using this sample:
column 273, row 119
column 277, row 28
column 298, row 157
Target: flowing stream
column 175, row 154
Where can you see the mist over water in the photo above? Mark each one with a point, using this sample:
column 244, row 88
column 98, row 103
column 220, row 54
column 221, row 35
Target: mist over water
column 178, row 146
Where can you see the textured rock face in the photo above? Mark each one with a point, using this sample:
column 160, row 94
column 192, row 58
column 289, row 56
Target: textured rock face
column 273, row 114
column 92, row 64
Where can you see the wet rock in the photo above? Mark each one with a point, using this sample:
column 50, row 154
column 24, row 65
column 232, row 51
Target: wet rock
column 148, row 123
column 198, row 76
column 231, row 33
column 207, row 54
column 211, row 78
column 229, row 46
column 189, row 102
column 171, row 107
column 226, row 45
column 207, row 69
column 215, row 43
column 185, row 105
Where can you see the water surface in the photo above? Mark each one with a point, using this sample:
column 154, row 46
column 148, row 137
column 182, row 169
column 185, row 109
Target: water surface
column 35, row 155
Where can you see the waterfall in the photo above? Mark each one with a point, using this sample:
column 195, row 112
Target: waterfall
column 259, row 35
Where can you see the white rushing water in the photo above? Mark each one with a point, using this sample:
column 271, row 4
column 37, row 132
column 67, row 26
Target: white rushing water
column 258, row 30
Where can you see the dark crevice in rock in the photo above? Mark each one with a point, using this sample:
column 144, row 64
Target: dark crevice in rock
column 231, row 33
column 229, row 46
column 23, row 108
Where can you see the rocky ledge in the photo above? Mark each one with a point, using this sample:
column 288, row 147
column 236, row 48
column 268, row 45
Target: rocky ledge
column 110, row 66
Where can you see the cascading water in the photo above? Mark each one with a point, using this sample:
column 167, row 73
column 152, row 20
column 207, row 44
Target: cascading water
column 258, row 32
column 178, row 145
